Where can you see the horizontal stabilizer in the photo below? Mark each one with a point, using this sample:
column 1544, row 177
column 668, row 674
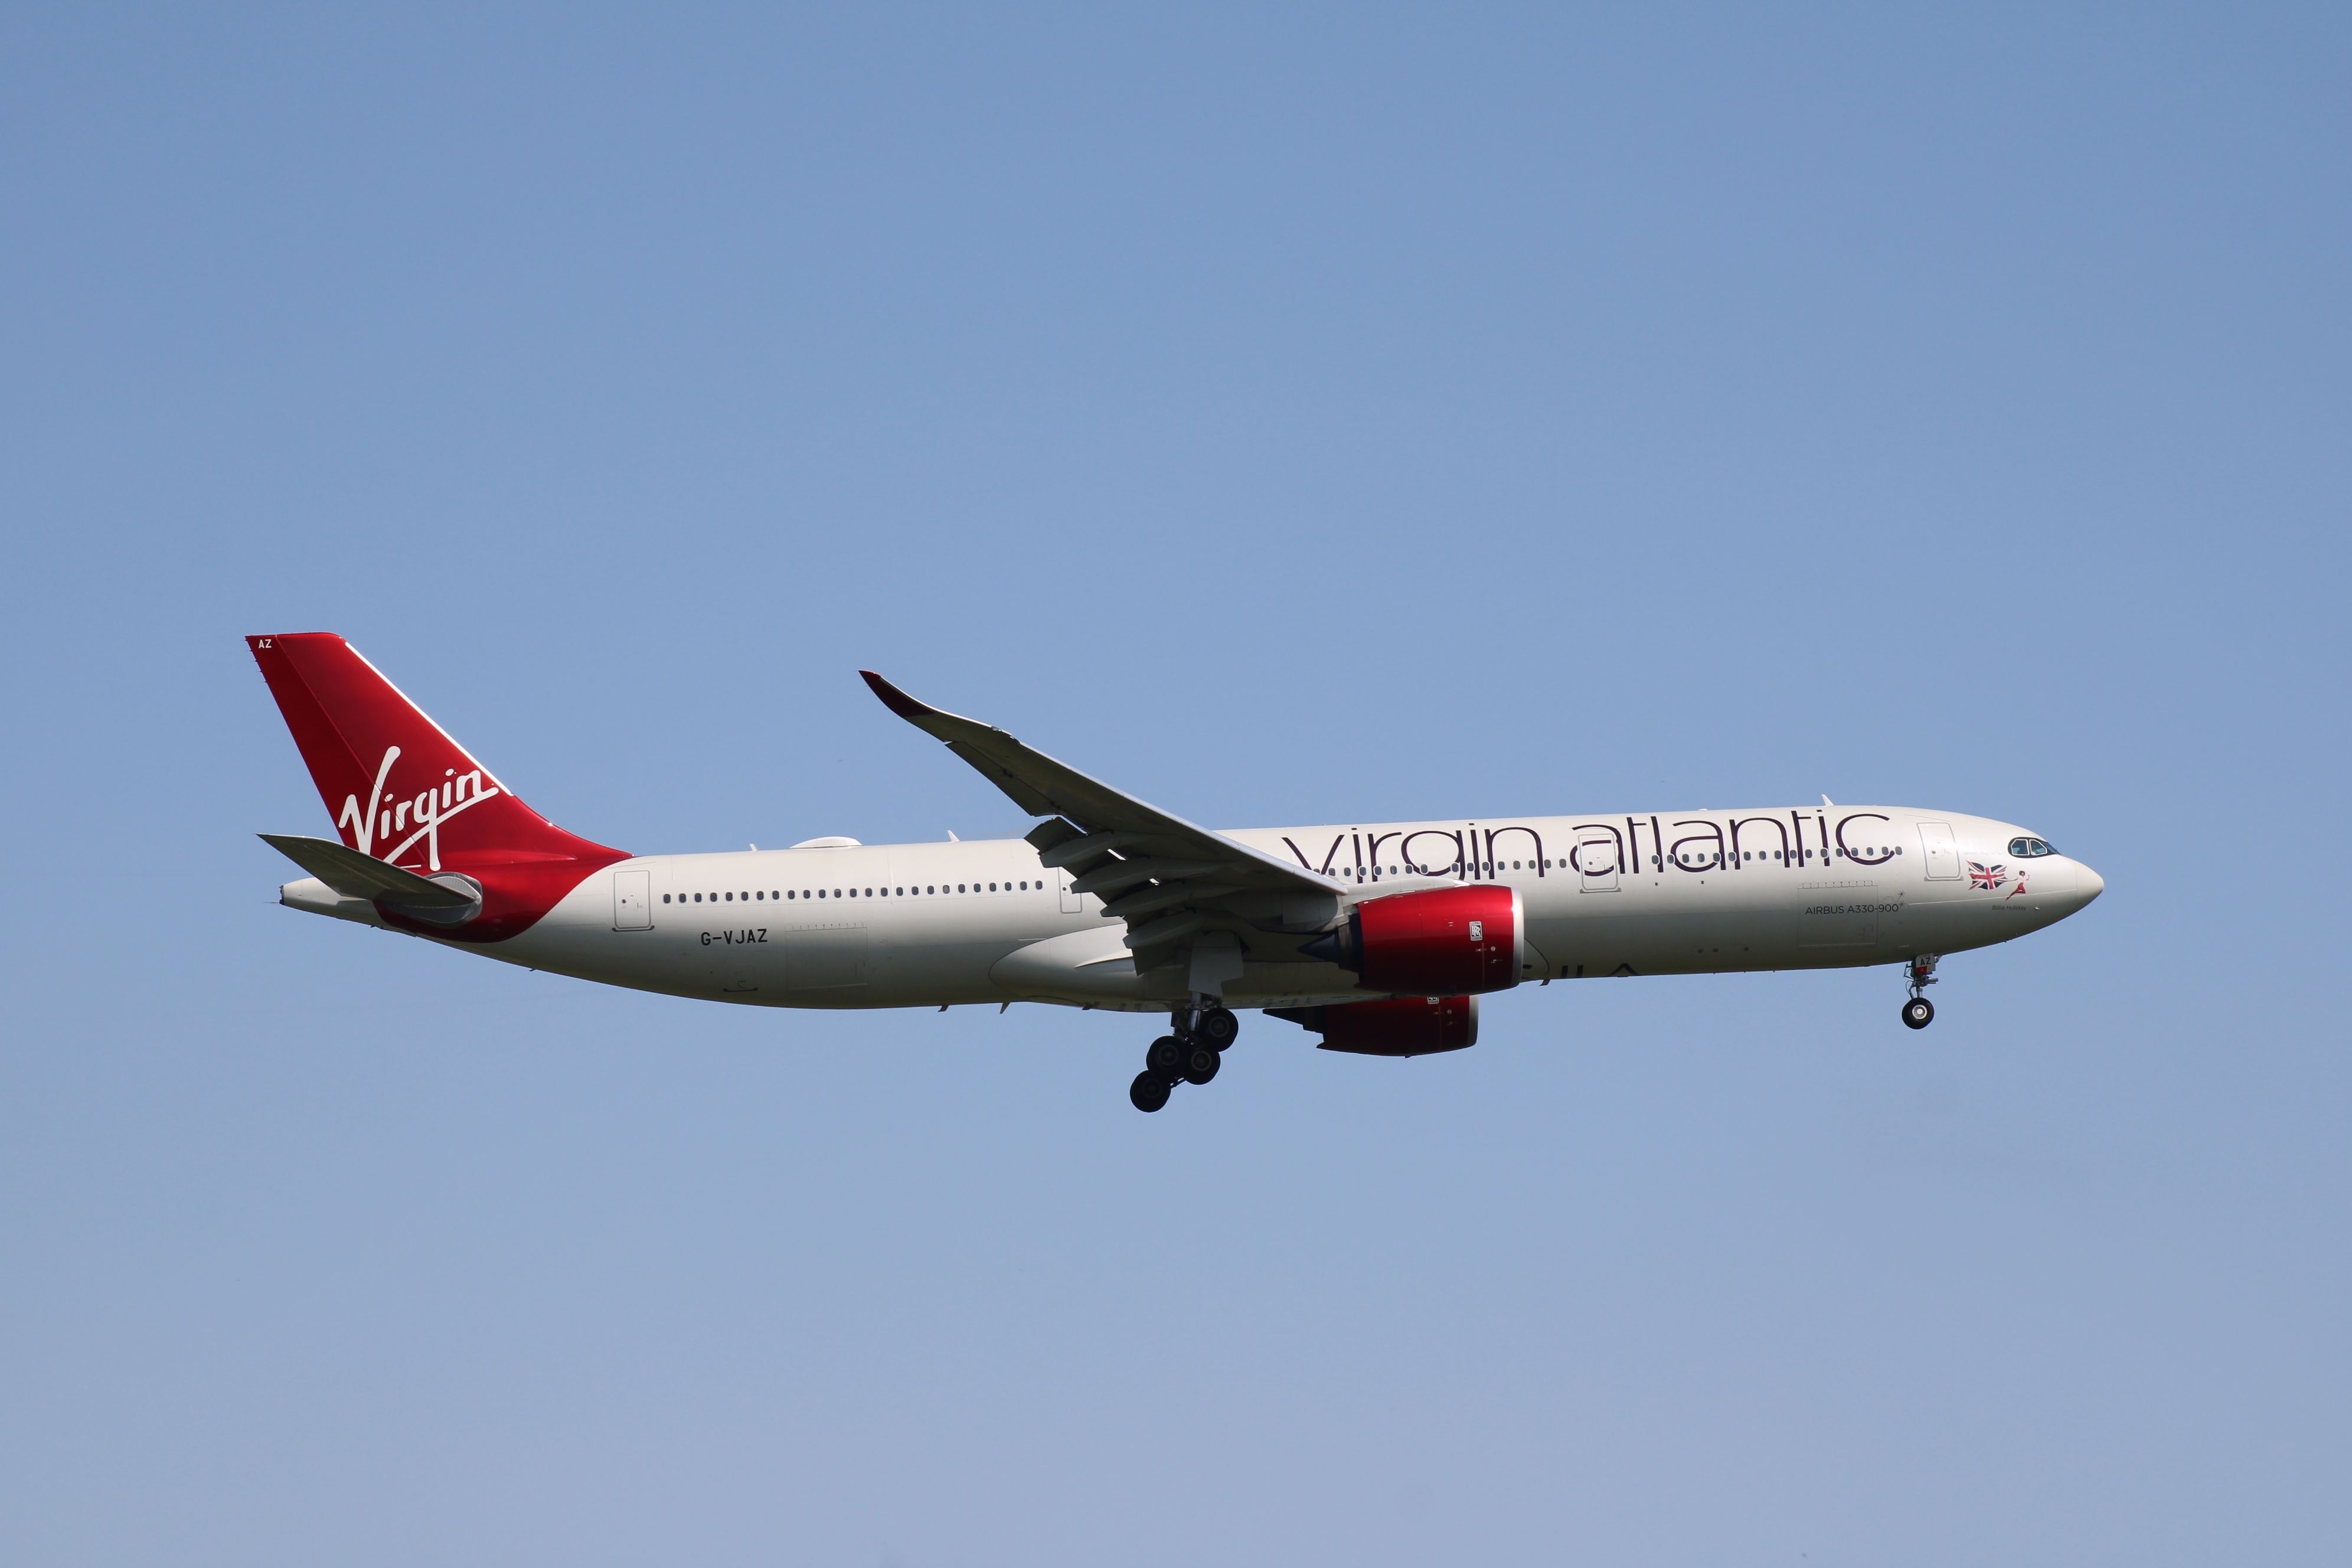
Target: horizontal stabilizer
column 357, row 876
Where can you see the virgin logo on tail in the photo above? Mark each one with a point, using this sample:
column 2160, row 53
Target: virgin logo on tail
column 420, row 818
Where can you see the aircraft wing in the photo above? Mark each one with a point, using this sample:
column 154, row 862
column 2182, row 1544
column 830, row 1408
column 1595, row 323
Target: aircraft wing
column 1171, row 880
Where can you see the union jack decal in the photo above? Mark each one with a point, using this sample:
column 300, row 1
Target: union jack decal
column 1986, row 878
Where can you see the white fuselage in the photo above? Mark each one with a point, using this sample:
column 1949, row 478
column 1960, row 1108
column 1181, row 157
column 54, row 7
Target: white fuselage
column 984, row 921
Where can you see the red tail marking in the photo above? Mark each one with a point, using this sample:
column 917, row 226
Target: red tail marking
column 400, row 789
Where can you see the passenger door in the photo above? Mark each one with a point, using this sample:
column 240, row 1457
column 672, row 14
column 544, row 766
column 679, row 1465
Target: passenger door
column 1596, row 864
column 633, row 903
column 1943, row 855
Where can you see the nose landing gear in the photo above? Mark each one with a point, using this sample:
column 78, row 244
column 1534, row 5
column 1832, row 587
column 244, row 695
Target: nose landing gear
column 1918, row 1012
column 1190, row 1055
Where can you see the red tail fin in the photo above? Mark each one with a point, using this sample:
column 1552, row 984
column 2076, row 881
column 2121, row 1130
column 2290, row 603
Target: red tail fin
column 397, row 788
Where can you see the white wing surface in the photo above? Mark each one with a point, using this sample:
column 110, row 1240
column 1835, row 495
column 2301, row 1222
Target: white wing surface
column 1169, row 879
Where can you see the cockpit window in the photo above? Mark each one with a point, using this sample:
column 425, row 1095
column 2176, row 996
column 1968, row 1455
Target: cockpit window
column 2028, row 849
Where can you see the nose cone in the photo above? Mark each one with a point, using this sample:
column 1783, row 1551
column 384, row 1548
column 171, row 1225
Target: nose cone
column 2089, row 884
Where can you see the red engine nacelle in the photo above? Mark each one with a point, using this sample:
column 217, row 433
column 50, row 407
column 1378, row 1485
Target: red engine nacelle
column 1435, row 943
column 1399, row 1026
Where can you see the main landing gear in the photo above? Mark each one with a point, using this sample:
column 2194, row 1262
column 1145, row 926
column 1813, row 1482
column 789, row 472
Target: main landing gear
column 1918, row 1012
column 1188, row 1056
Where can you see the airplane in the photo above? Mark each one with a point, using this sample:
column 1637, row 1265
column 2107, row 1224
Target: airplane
column 1376, row 938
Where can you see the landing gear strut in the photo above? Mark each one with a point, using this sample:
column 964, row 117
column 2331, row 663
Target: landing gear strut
column 1190, row 1055
column 1918, row 1012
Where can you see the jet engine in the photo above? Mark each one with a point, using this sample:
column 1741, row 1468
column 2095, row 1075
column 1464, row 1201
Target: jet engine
column 1435, row 942
column 1399, row 1026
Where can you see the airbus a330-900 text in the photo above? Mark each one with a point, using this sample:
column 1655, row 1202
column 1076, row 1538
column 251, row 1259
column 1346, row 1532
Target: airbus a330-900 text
column 1378, row 938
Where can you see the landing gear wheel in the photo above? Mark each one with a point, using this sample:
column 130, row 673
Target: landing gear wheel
column 1150, row 1090
column 1165, row 1057
column 1918, row 1012
column 1217, row 1027
column 1201, row 1062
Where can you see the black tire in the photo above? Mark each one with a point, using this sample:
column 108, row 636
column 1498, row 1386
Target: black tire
column 1217, row 1027
column 1201, row 1062
column 1918, row 1012
column 1165, row 1057
column 1150, row 1091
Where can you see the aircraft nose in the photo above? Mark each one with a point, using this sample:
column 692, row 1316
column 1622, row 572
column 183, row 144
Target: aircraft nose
column 2089, row 884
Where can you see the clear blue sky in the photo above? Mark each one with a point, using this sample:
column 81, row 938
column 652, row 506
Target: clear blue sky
column 1338, row 414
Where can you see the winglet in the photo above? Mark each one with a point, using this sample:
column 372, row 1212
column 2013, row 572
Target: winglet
column 897, row 702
